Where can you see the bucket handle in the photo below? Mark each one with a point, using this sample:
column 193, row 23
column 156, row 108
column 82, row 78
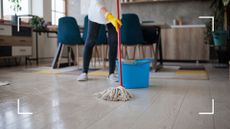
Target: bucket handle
column 133, row 62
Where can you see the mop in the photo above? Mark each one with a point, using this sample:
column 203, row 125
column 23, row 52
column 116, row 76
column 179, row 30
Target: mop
column 118, row 93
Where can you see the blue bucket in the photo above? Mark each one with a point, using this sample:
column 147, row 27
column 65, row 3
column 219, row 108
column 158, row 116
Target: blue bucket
column 135, row 74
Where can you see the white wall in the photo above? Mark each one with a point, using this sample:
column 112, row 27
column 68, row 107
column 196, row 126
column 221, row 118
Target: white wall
column 156, row 11
column 47, row 46
column 165, row 12
column 37, row 7
column 50, row 44
column 74, row 9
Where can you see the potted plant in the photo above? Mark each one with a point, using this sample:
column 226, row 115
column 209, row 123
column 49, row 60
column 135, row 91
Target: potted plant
column 16, row 6
column 37, row 23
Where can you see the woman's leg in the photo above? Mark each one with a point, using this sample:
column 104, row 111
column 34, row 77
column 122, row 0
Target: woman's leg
column 112, row 41
column 93, row 29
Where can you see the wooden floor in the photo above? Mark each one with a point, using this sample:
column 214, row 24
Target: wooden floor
column 61, row 102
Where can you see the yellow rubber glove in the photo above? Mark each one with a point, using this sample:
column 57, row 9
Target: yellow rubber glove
column 115, row 22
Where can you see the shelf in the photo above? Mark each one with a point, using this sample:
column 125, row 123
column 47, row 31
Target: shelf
column 147, row 1
column 188, row 26
column 155, row 1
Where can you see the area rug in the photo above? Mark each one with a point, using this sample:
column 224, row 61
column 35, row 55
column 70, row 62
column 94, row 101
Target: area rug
column 175, row 72
column 49, row 70
column 167, row 72
column 62, row 71
column 192, row 67
column 99, row 73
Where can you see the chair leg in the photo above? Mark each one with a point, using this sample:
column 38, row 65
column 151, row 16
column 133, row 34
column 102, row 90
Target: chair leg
column 77, row 55
column 73, row 55
column 98, row 55
column 126, row 52
column 103, row 56
column 139, row 50
column 95, row 53
column 56, row 56
column 143, row 51
column 155, row 58
column 59, row 59
column 134, row 53
column 152, row 53
column 122, row 51
column 93, row 60
column 160, row 52
column 95, row 56
column 106, row 54
column 69, row 55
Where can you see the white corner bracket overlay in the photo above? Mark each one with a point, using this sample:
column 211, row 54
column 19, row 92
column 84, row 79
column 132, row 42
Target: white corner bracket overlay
column 209, row 113
column 19, row 17
column 22, row 113
column 209, row 17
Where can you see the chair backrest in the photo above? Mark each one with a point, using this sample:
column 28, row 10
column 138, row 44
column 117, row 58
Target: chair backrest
column 151, row 34
column 131, row 33
column 101, row 39
column 68, row 31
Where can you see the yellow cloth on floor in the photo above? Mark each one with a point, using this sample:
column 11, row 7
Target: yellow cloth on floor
column 191, row 72
column 49, row 72
column 99, row 73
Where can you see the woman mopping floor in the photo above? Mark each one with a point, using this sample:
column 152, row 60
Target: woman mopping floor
column 102, row 12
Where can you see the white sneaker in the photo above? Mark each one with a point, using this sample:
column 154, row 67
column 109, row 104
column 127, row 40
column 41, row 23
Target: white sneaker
column 4, row 83
column 82, row 77
column 113, row 78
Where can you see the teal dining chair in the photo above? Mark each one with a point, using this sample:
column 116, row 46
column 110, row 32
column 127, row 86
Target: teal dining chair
column 69, row 36
column 131, row 33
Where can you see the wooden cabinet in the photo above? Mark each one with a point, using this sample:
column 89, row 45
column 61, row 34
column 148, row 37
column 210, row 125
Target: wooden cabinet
column 5, row 30
column 184, row 43
column 14, row 43
column 21, row 50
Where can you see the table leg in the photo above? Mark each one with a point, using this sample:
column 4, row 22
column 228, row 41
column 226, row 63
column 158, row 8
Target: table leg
column 160, row 52
column 37, row 61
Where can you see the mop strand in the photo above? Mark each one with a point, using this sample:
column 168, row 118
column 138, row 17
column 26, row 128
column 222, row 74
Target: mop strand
column 115, row 94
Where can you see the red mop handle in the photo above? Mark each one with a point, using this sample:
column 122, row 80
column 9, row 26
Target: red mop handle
column 119, row 43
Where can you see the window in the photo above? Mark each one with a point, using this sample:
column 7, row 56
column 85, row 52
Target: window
column 1, row 15
column 58, row 10
column 7, row 12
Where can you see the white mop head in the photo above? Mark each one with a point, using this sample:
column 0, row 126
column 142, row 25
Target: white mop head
column 115, row 94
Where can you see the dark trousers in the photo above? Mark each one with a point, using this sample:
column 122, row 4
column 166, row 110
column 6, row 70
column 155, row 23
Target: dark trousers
column 93, row 30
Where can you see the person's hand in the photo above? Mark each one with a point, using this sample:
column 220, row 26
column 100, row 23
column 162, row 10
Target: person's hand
column 115, row 21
